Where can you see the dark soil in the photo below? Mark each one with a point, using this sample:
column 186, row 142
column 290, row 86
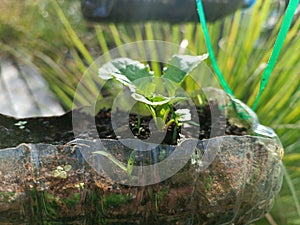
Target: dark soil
column 105, row 129
column 59, row 129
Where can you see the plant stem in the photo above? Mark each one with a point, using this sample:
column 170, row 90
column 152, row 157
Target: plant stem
column 166, row 114
column 169, row 123
column 113, row 159
column 139, row 124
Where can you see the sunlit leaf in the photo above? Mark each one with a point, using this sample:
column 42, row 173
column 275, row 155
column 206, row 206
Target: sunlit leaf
column 180, row 66
column 157, row 100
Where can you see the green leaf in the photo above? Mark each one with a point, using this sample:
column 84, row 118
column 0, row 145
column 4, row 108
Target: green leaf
column 155, row 101
column 181, row 66
column 146, row 86
column 123, row 80
column 141, row 109
column 131, row 69
column 178, row 99
column 130, row 73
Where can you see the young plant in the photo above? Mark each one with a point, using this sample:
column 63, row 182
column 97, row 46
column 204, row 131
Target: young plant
column 156, row 94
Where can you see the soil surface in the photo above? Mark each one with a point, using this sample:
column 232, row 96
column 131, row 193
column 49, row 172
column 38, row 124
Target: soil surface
column 59, row 129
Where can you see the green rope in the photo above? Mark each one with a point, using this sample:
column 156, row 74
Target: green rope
column 287, row 20
column 210, row 48
column 274, row 56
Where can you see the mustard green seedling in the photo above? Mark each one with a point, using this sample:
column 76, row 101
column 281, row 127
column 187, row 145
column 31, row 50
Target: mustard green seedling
column 157, row 94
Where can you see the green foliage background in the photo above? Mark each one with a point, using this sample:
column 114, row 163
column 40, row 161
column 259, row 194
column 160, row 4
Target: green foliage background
column 52, row 36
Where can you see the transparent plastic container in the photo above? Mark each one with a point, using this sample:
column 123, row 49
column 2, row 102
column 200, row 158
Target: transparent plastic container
column 50, row 184
column 223, row 180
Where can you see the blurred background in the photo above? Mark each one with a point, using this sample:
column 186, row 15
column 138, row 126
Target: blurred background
column 46, row 46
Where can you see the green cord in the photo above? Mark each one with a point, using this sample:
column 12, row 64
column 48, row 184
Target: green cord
column 274, row 56
column 210, row 48
column 287, row 20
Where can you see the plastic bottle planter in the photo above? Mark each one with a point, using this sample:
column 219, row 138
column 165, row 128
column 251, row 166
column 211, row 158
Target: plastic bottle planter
column 44, row 183
column 227, row 180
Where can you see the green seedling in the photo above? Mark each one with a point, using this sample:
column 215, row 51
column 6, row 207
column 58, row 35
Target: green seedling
column 21, row 124
column 138, row 126
column 155, row 94
column 61, row 171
